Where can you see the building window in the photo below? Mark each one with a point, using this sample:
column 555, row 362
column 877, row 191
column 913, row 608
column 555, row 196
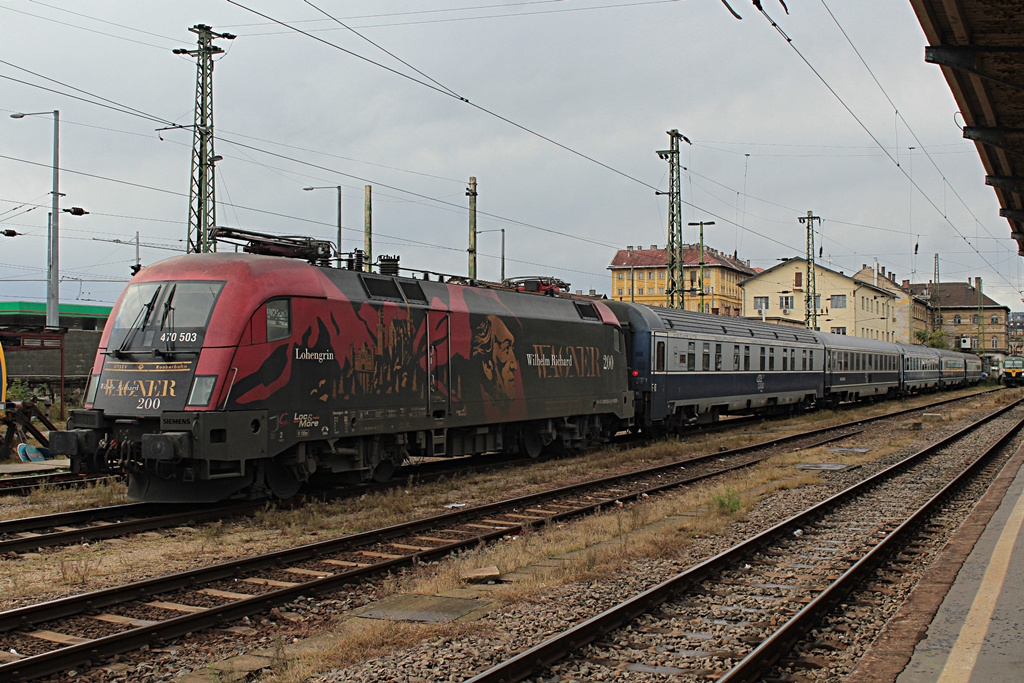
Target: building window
column 995, row 343
column 639, row 276
column 620, row 291
column 661, row 290
column 974, row 320
column 785, row 302
column 640, row 290
column 661, row 274
column 956, row 320
column 761, row 303
column 650, row 275
column 838, row 301
column 995, row 320
column 838, row 330
column 620, row 275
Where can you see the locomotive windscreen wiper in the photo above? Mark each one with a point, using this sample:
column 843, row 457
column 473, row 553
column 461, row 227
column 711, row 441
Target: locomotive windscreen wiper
column 168, row 311
column 144, row 313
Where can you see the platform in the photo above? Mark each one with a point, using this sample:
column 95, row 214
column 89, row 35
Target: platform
column 977, row 635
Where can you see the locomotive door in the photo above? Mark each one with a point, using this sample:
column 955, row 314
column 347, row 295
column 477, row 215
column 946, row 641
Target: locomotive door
column 438, row 363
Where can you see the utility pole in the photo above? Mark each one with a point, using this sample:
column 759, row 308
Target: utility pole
column 936, row 299
column 471, row 193
column 810, row 290
column 202, row 199
column 368, row 231
column 700, row 264
column 981, row 317
column 674, row 248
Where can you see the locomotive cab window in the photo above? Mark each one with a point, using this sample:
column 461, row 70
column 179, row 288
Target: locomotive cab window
column 278, row 319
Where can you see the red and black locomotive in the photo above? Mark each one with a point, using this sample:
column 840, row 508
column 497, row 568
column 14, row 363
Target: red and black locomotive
column 239, row 375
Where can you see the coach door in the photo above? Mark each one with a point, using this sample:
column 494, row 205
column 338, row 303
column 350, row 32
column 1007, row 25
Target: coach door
column 439, row 367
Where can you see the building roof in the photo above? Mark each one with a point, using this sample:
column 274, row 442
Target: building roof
column 978, row 44
column 956, row 295
column 658, row 258
column 9, row 308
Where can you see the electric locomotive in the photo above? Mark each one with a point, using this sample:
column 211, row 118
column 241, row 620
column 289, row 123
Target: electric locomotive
column 1013, row 371
column 241, row 375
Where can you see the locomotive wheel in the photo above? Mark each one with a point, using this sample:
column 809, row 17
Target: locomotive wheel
column 281, row 481
column 531, row 444
column 384, row 470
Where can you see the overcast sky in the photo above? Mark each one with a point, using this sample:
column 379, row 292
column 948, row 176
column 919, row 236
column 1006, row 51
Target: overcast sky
column 604, row 79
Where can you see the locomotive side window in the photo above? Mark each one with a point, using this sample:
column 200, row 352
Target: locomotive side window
column 278, row 319
column 659, row 355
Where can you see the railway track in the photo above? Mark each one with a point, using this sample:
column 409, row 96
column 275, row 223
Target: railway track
column 48, row 638
column 46, row 531
column 732, row 616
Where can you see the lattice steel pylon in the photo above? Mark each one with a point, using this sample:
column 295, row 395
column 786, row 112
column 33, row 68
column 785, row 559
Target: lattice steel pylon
column 202, row 204
column 674, row 247
column 810, row 287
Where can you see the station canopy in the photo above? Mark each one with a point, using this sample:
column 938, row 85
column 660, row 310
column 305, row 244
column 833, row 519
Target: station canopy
column 980, row 46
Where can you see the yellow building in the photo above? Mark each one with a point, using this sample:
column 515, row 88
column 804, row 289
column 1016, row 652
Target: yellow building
column 640, row 275
column 911, row 314
column 844, row 305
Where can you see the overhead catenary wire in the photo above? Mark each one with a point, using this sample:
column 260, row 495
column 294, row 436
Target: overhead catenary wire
column 870, row 134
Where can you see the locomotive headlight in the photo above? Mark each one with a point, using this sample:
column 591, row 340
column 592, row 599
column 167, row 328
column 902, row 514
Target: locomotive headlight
column 202, row 389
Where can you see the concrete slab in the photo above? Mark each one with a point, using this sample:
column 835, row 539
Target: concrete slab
column 30, row 467
column 431, row 609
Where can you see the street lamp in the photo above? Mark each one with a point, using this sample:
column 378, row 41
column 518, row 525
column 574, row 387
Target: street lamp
column 331, row 187
column 502, row 231
column 53, row 275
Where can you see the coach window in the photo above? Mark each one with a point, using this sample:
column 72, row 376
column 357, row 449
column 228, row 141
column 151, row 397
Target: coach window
column 706, row 365
column 792, row 359
column 771, row 358
column 278, row 319
column 659, row 357
column 803, row 359
column 718, row 357
column 746, row 358
column 735, row 357
column 811, row 359
column 785, row 360
column 691, row 356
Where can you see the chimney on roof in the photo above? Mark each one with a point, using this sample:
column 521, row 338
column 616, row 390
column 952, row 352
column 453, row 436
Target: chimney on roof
column 654, row 247
column 906, row 284
column 629, row 249
column 883, row 271
column 593, row 292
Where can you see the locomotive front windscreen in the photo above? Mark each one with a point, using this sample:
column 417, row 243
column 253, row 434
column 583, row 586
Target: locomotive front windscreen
column 168, row 315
